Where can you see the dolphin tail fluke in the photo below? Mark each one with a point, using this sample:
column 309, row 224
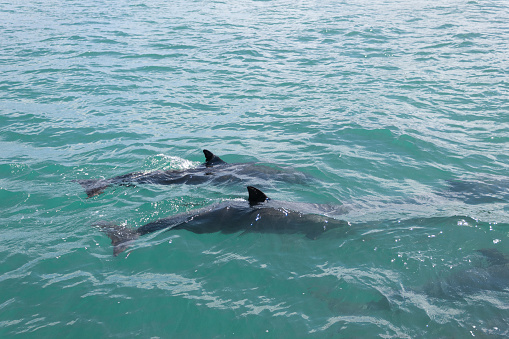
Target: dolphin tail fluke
column 121, row 236
column 93, row 187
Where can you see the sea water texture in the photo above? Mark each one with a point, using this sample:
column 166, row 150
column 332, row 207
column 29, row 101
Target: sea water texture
column 398, row 110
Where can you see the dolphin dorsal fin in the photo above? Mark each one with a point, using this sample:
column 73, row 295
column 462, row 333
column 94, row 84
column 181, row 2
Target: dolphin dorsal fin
column 211, row 158
column 256, row 196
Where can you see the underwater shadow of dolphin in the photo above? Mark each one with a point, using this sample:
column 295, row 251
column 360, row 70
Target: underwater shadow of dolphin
column 258, row 214
column 479, row 191
column 214, row 170
column 494, row 276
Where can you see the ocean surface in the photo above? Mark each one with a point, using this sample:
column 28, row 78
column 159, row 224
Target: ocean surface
column 397, row 111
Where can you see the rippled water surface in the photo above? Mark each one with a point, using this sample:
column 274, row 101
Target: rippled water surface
column 395, row 111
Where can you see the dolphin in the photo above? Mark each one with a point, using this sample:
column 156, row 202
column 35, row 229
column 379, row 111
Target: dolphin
column 479, row 191
column 493, row 275
column 258, row 214
column 214, row 170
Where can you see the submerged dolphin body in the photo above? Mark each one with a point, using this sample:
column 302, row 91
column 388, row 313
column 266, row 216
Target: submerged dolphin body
column 213, row 170
column 492, row 276
column 258, row 214
column 479, row 191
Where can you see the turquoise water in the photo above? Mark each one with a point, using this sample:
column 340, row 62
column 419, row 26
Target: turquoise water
column 399, row 110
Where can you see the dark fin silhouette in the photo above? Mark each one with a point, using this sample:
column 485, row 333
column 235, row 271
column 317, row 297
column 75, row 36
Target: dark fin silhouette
column 211, row 159
column 121, row 236
column 93, row 187
column 256, row 196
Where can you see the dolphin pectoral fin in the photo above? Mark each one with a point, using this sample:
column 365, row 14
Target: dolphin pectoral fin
column 121, row 236
column 93, row 187
column 212, row 159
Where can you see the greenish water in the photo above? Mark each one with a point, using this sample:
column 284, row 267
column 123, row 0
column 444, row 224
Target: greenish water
column 397, row 109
